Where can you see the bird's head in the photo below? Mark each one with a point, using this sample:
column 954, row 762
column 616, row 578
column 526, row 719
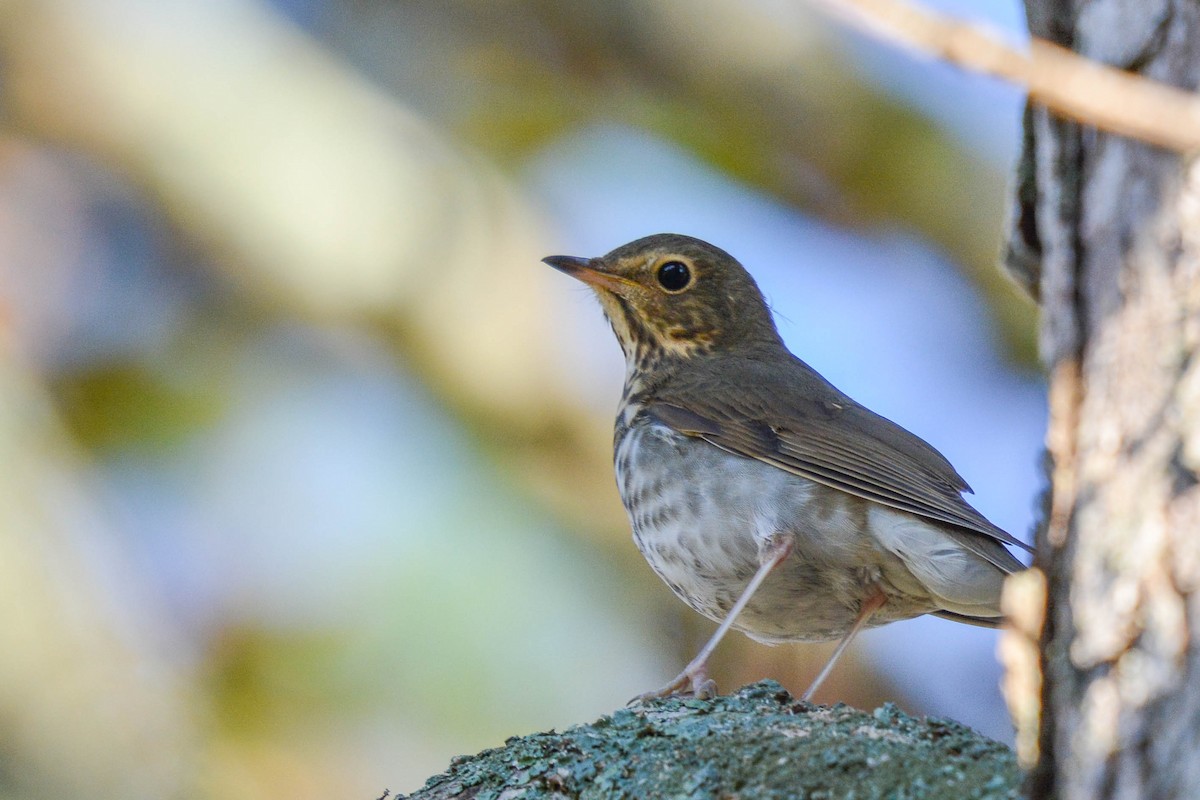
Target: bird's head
column 670, row 295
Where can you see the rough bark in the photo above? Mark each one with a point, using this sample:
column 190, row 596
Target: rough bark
column 757, row 743
column 1109, row 230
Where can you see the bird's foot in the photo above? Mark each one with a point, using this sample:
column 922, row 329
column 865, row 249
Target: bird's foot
column 692, row 682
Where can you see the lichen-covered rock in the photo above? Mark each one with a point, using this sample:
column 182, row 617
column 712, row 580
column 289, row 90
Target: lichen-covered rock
column 757, row 743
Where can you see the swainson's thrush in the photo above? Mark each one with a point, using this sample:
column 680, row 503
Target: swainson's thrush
column 765, row 498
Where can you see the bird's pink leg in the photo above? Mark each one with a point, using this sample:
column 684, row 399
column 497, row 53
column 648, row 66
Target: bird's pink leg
column 694, row 679
column 870, row 605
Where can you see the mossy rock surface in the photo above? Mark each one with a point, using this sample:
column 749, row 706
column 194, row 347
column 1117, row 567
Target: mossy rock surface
column 757, row 743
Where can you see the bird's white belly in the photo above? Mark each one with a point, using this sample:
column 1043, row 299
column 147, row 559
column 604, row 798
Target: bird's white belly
column 701, row 517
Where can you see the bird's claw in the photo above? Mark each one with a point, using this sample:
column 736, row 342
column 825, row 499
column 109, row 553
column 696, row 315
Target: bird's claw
column 689, row 683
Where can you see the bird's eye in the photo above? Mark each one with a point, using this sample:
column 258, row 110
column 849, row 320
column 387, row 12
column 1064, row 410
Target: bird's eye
column 674, row 276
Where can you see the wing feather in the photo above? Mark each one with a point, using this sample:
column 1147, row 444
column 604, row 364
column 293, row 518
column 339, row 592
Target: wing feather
column 800, row 423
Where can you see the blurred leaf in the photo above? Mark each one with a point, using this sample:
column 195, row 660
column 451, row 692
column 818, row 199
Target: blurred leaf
column 132, row 404
column 262, row 681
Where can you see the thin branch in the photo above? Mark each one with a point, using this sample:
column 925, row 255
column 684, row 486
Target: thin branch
column 1063, row 81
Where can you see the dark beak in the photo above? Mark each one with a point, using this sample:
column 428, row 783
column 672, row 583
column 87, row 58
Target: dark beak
column 572, row 265
column 589, row 270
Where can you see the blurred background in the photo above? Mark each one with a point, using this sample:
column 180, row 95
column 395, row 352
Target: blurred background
column 307, row 458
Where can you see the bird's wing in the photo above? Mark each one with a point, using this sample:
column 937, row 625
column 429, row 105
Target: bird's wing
column 982, row 622
column 825, row 436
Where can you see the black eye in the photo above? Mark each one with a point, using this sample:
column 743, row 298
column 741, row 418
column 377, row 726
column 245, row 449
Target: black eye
column 674, row 276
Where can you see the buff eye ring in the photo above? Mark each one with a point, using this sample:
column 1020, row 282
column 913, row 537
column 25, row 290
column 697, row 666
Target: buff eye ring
column 674, row 276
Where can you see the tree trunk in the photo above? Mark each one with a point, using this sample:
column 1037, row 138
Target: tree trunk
column 1113, row 226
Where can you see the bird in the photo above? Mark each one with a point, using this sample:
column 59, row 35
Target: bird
column 768, row 500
